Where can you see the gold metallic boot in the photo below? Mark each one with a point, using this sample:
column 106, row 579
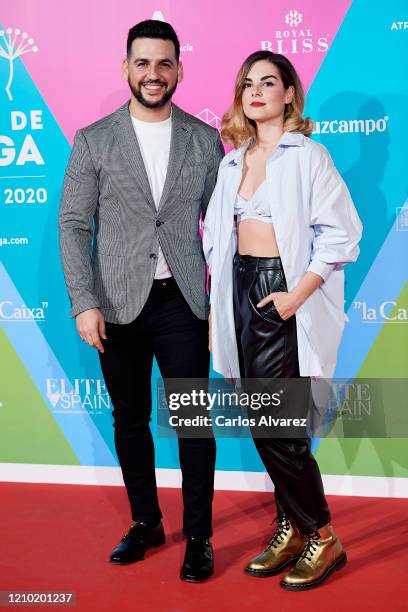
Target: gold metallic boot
column 284, row 548
column 322, row 554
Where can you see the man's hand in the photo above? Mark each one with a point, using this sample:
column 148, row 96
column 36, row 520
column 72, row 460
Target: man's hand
column 91, row 327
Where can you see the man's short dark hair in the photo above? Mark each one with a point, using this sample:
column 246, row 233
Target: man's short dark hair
column 152, row 28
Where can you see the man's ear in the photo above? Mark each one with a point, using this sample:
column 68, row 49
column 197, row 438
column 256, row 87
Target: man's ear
column 125, row 69
column 180, row 74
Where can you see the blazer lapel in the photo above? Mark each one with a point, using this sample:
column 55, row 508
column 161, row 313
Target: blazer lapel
column 128, row 143
column 180, row 136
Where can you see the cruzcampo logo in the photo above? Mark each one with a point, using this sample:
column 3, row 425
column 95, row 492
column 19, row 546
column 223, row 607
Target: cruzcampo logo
column 14, row 44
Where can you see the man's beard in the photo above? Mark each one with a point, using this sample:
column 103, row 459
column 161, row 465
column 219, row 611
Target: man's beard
column 137, row 92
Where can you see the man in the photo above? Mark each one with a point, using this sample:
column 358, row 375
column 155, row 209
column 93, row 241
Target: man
column 142, row 175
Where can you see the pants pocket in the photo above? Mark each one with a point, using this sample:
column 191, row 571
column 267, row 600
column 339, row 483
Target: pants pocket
column 264, row 283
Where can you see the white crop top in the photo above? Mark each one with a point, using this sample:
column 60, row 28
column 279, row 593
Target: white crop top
column 256, row 208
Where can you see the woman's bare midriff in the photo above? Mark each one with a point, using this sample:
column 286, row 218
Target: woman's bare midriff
column 257, row 238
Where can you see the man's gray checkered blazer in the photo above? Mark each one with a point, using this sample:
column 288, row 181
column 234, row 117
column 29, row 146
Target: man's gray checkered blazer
column 110, row 229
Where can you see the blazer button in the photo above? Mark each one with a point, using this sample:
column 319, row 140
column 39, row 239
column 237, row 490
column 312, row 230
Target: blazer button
column 153, row 256
column 158, row 223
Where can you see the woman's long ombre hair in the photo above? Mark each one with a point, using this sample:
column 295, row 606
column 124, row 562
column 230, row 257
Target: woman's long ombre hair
column 237, row 129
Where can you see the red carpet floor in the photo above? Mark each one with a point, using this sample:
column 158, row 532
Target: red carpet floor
column 58, row 538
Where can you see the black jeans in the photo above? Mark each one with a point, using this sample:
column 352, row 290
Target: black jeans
column 267, row 347
column 167, row 329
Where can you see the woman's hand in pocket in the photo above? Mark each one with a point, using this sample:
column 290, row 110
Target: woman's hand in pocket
column 285, row 303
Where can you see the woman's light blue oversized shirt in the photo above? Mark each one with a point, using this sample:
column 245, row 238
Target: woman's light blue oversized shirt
column 317, row 229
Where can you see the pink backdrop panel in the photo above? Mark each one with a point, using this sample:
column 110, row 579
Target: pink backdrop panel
column 82, row 45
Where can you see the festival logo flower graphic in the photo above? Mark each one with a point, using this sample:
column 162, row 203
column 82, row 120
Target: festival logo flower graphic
column 13, row 44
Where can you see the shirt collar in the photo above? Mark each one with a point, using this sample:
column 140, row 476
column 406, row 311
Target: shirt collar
column 291, row 139
column 288, row 139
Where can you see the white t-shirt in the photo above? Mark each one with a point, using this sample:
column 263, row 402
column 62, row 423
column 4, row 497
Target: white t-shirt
column 154, row 141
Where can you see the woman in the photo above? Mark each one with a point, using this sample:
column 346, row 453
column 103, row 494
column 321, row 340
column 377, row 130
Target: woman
column 277, row 289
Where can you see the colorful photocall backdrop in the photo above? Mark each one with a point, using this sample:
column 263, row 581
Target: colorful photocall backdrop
column 60, row 69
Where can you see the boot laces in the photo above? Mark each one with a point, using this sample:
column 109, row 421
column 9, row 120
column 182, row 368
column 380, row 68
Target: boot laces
column 280, row 533
column 311, row 545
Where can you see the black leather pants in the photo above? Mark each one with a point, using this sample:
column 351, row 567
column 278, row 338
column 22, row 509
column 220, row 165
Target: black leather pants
column 267, row 347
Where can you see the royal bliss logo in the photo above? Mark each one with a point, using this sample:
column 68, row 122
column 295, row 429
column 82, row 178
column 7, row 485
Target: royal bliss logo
column 295, row 37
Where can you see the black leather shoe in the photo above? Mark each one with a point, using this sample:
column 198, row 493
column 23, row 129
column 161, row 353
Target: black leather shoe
column 198, row 561
column 134, row 544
